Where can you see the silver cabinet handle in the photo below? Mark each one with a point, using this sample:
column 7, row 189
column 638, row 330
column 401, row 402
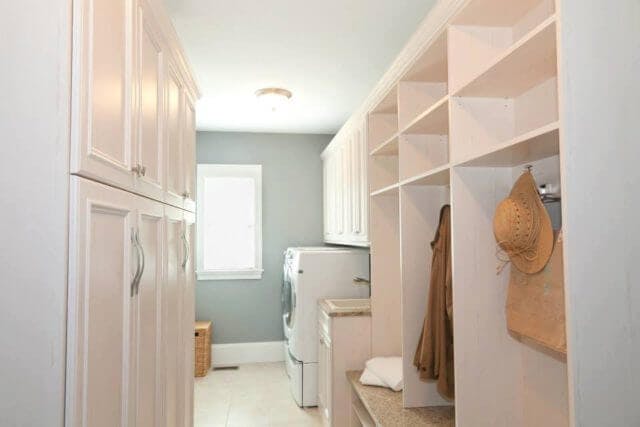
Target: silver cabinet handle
column 186, row 195
column 139, row 170
column 186, row 251
column 361, row 280
column 134, row 244
column 143, row 258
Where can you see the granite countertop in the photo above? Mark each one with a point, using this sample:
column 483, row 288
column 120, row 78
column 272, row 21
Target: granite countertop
column 343, row 311
column 385, row 407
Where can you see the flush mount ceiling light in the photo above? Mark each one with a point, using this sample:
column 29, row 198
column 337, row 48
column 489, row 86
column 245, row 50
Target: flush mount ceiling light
column 273, row 97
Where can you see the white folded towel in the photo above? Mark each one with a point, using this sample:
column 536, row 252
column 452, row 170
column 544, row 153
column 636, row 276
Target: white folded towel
column 383, row 372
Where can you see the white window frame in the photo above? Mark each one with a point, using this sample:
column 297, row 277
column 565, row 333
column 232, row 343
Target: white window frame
column 210, row 170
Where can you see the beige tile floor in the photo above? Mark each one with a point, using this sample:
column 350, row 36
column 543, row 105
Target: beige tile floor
column 254, row 395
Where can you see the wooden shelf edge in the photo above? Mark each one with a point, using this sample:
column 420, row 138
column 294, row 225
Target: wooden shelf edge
column 431, row 177
column 520, row 139
column 380, row 149
column 551, row 20
column 422, row 116
column 385, row 190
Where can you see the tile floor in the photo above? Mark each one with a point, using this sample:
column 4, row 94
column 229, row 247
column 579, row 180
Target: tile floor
column 253, row 395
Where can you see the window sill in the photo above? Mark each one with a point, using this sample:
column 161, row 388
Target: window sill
column 230, row 275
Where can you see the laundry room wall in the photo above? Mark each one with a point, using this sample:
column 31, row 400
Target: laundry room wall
column 247, row 311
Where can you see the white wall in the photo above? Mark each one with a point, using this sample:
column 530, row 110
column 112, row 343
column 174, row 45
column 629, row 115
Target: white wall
column 34, row 145
column 600, row 104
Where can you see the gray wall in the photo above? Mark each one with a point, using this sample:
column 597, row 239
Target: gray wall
column 249, row 310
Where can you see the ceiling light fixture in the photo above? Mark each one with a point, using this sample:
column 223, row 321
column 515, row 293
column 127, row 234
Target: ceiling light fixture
column 273, row 97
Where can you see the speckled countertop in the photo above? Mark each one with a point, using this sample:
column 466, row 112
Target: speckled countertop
column 385, row 407
column 343, row 311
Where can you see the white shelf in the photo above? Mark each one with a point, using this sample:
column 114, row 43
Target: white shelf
column 388, row 190
column 529, row 147
column 433, row 121
column 387, row 148
column 527, row 63
column 436, row 176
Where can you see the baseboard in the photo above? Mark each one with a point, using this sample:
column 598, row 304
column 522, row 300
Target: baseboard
column 250, row 352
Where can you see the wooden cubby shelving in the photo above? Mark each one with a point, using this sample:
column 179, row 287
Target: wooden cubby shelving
column 478, row 104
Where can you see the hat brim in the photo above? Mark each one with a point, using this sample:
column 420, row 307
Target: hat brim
column 544, row 244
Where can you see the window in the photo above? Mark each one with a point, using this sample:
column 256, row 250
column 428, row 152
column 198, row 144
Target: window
column 229, row 222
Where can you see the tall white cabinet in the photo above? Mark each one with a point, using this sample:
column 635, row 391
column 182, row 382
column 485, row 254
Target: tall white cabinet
column 345, row 189
column 131, row 277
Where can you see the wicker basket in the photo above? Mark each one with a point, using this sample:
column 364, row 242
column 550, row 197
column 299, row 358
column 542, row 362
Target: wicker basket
column 203, row 348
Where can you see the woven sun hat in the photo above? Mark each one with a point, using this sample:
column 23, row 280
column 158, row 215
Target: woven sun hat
column 522, row 227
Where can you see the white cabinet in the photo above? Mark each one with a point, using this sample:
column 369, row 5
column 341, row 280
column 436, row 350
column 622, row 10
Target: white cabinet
column 345, row 194
column 148, row 314
column 148, row 136
column 102, row 268
column 131, row 310
column 189, row 153
column 103, row 91
column 133, row 115
column 344, row 345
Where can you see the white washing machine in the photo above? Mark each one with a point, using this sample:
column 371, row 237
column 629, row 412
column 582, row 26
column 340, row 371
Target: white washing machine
column 312, row 274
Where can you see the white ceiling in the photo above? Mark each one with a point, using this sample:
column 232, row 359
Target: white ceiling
column 329, row 53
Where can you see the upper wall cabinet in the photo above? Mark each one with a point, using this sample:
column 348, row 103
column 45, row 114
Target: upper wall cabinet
column 346, row 209
column 133, row 101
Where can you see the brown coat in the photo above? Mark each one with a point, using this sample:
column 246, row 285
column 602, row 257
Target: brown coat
column 434, row 355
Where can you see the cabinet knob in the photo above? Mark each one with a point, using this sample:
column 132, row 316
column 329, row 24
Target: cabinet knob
column 186, row 195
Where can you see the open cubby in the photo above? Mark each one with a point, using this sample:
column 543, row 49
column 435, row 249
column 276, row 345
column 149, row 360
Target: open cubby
column 383, row 121
column 420, row 154
column 383, row 172
column 487, row 124
column 490, row 29
column 527, row 386
column 419, row 213
column 425, row 83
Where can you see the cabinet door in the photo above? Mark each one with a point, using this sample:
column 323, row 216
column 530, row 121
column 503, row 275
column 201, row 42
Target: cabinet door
column 149, row 153
column 324, row 377
column 171, row 318
column 189, row 153
column 359, row 196
column 174, row 188
column 102, row 99
column 101, row 270
column 148, row 314
column 188, row 318
column 327, row 196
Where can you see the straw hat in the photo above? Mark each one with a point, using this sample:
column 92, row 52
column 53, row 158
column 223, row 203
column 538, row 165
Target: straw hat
column 522, row 227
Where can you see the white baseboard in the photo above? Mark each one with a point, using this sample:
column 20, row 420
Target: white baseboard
column 243, row 353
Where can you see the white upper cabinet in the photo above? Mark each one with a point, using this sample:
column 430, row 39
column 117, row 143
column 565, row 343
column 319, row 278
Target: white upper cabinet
column 346, row 208
column 174, row 104
column 133, row 101
column 149, row 154
column 103, row 91
column 189, row 150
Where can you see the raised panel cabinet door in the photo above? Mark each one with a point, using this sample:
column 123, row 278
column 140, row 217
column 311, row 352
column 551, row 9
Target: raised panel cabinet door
column 148, row 314
column 189, row 153
column 359, row 195
column 149, row 153
column 102, row 91
column 102, row 266
column 188, row 318
column 172, row 317
column 174, row 184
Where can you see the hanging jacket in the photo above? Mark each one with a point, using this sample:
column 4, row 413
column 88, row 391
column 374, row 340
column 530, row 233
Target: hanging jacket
column 434, row 355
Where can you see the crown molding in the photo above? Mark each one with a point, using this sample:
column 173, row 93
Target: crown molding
column 431, row 27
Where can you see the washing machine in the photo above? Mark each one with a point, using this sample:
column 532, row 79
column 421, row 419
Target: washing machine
column 311, row 274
